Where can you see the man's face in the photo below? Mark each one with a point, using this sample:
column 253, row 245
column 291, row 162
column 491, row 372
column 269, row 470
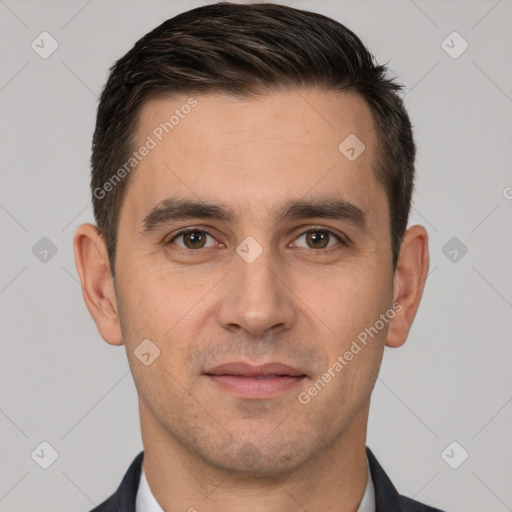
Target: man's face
column 261, row 285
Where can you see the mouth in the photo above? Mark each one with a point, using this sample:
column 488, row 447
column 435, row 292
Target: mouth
column 255, row 382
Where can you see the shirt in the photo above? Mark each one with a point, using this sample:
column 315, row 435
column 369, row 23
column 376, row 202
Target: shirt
column 146, row 502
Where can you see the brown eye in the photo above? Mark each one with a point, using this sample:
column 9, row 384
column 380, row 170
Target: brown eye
column 319, row 239
column 192, row 239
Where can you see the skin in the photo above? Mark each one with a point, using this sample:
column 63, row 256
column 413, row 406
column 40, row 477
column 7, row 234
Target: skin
column 296, row 303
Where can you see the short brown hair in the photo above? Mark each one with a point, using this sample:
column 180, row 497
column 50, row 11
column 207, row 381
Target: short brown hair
column 247, row 50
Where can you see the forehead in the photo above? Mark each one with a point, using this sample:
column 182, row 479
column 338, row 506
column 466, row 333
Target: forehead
column 255, row 153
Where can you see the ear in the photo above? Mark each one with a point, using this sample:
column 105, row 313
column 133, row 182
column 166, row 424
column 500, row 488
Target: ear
column 409, row 281
column 93, row 267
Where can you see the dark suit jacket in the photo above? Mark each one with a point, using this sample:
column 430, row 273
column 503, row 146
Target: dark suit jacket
column 387, row 498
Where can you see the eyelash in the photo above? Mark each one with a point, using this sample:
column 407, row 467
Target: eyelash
column 309, row 229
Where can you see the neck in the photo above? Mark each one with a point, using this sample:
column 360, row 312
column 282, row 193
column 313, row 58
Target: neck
column 183, row 481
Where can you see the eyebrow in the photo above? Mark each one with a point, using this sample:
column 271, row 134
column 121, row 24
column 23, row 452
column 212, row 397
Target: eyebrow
column 176, row 209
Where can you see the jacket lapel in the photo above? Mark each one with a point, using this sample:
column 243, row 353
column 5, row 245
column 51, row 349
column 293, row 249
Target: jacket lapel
column 386, row 496
column 123, row 500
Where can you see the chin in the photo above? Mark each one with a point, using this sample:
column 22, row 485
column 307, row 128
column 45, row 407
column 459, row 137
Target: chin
column 250, row 458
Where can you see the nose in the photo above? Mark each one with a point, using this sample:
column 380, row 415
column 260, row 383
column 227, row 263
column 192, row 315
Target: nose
column 258, row 297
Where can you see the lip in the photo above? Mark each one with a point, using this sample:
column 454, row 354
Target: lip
column 262, row 370
column 255, row 382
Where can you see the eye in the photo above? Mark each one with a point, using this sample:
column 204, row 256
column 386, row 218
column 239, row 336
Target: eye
column 315, row 238
column 318, row 238
column 192, row 239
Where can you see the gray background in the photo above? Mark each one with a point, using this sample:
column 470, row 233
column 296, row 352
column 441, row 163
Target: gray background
column 61, row 383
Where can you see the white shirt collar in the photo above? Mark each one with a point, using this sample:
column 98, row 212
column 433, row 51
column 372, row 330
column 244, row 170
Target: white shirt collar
column 146, row 502
column 368, row 502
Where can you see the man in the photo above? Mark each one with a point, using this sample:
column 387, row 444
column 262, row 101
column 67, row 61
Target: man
column 252, row 173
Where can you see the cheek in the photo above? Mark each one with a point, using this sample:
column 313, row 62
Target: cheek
column 169, row 312
column 347, row 301
column 350, row 306
column 154, row 303
column 158, row 336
